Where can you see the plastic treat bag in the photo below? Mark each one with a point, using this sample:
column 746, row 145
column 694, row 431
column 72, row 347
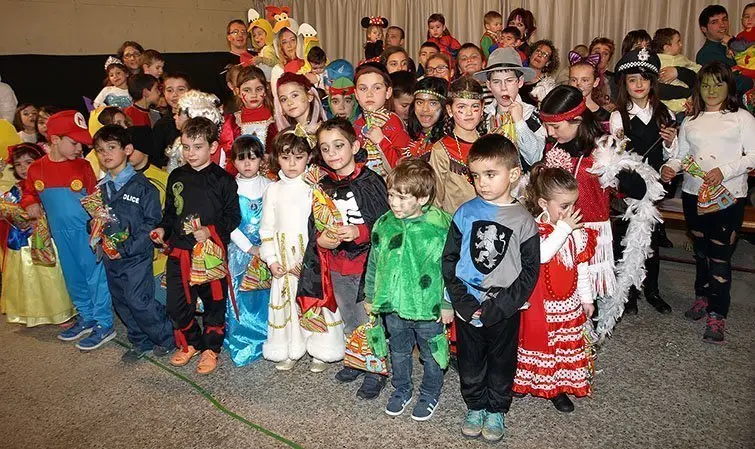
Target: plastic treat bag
column 441, row 349
column 360, row 356
column 313, row 320
column 709, row 198
column 324, row 211
column 102, row 217
column 42, row 251
column 257, row 276
column 13, row 212
column 206, row 257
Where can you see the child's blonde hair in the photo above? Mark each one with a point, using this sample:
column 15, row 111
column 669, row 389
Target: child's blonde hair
column 490, row 16
column 544, row 183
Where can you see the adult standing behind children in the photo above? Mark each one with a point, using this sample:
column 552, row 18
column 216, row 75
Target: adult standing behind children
column 714, row 24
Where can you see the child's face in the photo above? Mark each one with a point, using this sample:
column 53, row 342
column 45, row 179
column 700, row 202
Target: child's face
column 605, row 55
column 65, row 148
column 259, row 36
column 337, row 151
column 495, row 26
column 466, row 113
column 42, row 123
column 371, row 92
column 427, row 108
column 405, row 205
column 393, row 37
column 374, row 34
column 583, row 78
column 714, row 92
column 493, row 179
column 288, row 44
column 469, row 60
column 425, row 53
column 517, row 22
column 674, row 47
column 505, row 87
column 180, row 117
column 397, row 61
column 509, row 40
column 293, row 165
column 112, row 155
column 563, row 131
column 342, row 105
column 21, row 165
column 294, row 101
column 174, row 88
column 138, row 159
column 561, row 204
column 748, row 18
column 120, row 120
column 437, row 67
column 401, row 106
column 249, row 166
column 252, row 93
column 197, row 151
column 638, row 87
column 155, row 69
column 436, row 29
column 152, row 96
column 317, row 69
column 117, row 77
column 29, row 117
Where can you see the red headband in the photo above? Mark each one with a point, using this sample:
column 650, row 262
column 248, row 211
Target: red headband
column 341, row 90
column 568, row 115
column 35, row 150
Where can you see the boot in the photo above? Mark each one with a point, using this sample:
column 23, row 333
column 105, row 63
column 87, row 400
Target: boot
column 630, row 308
column 658, row 303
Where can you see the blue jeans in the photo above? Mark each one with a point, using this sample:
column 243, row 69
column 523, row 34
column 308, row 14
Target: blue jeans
column 403, row 335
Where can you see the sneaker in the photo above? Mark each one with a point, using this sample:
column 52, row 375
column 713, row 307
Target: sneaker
column 371, row 387
column 494, row 428
column 347, row 375
column 133, row 355
column 562, row 403
column 78, row 330
column 317, row 366
column 698, row 310
column 208, row 361
column 160, row 351
column 714, row 329
column 424, row 409
column 286, row 365
column 181, row 357
column 97, row 338
column 472, row 425
column 397, row 403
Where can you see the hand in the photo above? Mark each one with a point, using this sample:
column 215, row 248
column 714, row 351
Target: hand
column 689, row 106
column 477, row 314
column 668, row 74
column 367, row 307
column 669, row 134
column 328, row 241
column 347, row 233
column 34, row 211
column 446, row 316
column 517, row 111
column 277, row 270
column 574, row 219
column 714, row 177
column 201, row 234
column 254, row 250
column 157, row 235
column 312, row 77
column 375, row 134
column 589, row 309
column 667, row 173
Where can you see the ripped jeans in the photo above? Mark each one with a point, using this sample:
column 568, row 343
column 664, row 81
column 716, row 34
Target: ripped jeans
column 714, row 235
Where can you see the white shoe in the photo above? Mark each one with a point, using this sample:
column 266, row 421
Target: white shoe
column 286, row 365
column 317, row 366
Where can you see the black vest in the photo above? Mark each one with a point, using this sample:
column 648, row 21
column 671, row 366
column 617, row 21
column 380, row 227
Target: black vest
column 646, row 141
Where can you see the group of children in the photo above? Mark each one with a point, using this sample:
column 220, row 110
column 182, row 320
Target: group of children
column 291, row 223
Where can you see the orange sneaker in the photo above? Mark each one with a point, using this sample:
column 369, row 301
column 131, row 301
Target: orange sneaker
column 181, row 358
column 207, row 362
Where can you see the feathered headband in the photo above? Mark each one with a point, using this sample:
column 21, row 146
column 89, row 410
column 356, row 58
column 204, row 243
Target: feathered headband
column 576, row 58
column 112, row 60
column 568, row 115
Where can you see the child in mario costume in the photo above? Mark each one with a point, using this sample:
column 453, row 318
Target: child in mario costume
column 58, row 182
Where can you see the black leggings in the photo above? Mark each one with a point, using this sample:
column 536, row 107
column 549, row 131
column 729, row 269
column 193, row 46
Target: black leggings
column 714, row 235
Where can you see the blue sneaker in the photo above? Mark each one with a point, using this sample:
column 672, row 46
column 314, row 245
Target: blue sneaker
column 78, row 330
column 424, row 409
column 97, row 338
column 397, row 403
column 494, row 428
column 472, row 425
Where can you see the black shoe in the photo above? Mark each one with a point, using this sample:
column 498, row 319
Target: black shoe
column 159, row 351
column 347, row 375
column 562, row 403
column 630, row 308
column 133, row 355
column 663, row 240
column 514, row 394
column 371, row 387
column 658, row 303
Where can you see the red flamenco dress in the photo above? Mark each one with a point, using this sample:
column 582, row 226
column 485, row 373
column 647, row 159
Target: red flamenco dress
column 554, row 355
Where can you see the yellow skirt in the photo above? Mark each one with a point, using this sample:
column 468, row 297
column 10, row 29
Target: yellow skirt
column 33, row 294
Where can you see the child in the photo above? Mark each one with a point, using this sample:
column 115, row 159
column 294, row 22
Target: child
column 650, row 126
column 342, row 100
column 192, row 104
column 245, row 336
column 58, row 182
column 509, row 115
column 427, row 116
column 524, row 21
column 262, row 41
column 490, row 267
column 135, row 206
column 493, row 24
column 115, row 92
column 316, row 60
column 718, row 137
column 165, row 131
column 145, row 91
column 152, row 63
column 361, row 198
column 297, row 104
column 511, row 37
column 415, row 312
column 634, row 40
column 744, row 44
column 43, row 115
column 32, row 294
column 667, row 43
column 449, row 154
column 554, row 358
column 438, row 33
column 25, row 122
column 403, row 94
column 286, row 209
column 380, row 132
column 583, row 74
column 395, row 59
column 203, row 190
column 373, row 26
column 426, row 51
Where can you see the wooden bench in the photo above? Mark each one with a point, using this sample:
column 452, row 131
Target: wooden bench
column 673, row 216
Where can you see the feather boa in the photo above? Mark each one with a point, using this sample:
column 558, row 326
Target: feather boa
column 609, row 159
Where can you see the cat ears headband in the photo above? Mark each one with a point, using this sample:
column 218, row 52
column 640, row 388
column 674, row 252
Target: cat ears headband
column 367, row 22
column 576, row 58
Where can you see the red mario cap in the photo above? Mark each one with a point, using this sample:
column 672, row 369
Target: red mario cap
column 69, row 123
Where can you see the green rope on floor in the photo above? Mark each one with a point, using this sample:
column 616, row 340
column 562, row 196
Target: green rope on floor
column 214, row 401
